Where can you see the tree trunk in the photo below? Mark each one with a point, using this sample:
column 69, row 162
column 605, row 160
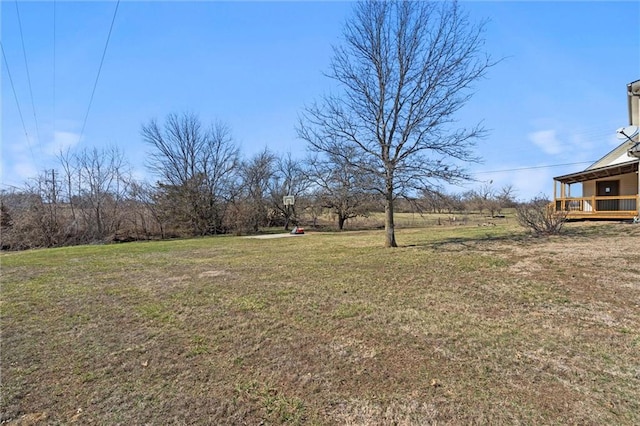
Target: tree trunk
column 388, row 220
column 99, row 222
column 341, row 220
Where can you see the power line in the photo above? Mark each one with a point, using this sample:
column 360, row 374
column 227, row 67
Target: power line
column 15, row 95
column 95, row 84
column 534, row 167
column 26, row 64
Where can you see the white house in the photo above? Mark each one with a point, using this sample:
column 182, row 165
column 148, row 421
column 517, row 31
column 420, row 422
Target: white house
column 611, row 185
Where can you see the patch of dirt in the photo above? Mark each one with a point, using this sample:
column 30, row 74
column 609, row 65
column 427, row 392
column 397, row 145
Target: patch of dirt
column 30, row 419
column 211, row 274
column 272, row 236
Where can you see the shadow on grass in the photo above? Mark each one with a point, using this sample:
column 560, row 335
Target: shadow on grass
column 457, row 244
column 598, row 229
column 487, row 242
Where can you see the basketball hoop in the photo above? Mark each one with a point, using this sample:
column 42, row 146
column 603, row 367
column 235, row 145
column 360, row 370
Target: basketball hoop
column 288, row 200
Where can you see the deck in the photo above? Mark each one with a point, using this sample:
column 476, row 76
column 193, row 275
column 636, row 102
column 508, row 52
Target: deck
column 604, row 208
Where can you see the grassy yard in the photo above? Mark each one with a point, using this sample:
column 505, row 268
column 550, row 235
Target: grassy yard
column 460, row 325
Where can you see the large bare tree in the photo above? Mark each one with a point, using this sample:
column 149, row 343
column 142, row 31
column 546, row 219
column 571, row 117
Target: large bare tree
column 406, row 68
column 197, row 168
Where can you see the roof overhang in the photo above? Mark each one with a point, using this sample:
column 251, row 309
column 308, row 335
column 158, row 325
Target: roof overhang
column 599, row 173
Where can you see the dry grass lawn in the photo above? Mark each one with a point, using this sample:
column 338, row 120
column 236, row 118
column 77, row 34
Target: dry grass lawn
column 461, row 325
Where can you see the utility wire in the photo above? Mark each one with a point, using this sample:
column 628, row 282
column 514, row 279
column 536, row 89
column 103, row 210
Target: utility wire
column 26, row 65
column 95, row 84
column 15, row 95
column 534, row 167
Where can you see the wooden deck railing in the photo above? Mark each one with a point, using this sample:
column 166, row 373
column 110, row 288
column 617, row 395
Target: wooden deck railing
column 593, row 205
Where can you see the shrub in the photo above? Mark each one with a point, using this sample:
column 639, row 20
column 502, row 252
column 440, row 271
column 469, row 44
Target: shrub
column 539, row 216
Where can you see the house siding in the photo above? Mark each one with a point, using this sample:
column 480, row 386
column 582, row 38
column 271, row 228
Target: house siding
column 628, row 185
column 589, row 188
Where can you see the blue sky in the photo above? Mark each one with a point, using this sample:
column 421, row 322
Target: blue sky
column 556, row 97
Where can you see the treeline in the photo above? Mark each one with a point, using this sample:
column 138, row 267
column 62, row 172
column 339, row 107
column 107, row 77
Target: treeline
column 204, row 187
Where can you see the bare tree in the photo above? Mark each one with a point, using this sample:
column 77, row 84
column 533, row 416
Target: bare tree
column 23, row 217
column 146, row 211
column 252, row 209
column 84, row 203
column 197, row 169
column 484, row 198
column 67, row 182
column 487, row 198
column 406, row 68
column 290, row 178
column 507, row 197
column 431, row 200
column 6, row 223
column 103, row 181
column 47, row 187
column 341, row 187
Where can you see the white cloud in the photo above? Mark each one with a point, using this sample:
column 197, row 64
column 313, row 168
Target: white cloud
column 531, row 183
column 140, row 175
column 571, row 146
column 22, row 171
column 547, row 141
column 61, row 142
column 24, row 160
